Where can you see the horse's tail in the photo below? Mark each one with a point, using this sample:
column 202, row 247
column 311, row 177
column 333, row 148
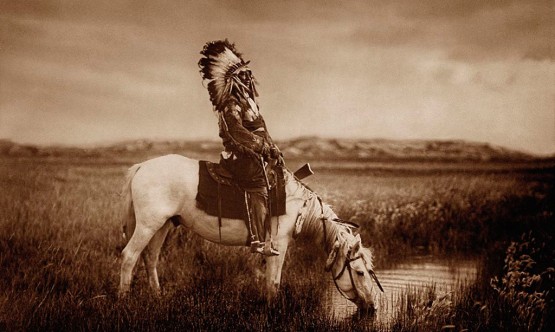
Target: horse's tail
column 128, row 220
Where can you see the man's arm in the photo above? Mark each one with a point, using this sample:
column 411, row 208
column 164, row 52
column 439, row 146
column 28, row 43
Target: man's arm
column 274, row 152
column 239, row 134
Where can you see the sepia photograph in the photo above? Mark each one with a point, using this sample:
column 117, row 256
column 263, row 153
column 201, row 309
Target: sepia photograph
column 309, row 165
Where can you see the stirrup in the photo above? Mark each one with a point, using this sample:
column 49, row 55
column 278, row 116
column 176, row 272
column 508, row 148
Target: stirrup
column 257, row 247
column 269, row 251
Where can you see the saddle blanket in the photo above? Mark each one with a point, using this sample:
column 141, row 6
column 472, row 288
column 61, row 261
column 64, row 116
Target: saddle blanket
column 212, row 186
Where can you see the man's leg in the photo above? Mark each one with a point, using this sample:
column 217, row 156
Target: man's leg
column 253, row 234
column 258, row 214
column 259, row 204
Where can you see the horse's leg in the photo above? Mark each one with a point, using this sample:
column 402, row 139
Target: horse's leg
column 141, row 237
column 274, row 264
column 151, row 255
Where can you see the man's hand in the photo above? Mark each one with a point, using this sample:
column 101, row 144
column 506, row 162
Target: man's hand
column 266, row 151
column 275, row 153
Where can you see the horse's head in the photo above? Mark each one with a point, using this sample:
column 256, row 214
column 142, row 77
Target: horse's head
column 349, row 262
column 352, row 270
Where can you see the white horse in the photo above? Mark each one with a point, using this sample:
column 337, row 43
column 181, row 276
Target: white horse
column 163, row 190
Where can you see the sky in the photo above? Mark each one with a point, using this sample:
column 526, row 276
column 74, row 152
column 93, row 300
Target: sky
column 95, row 72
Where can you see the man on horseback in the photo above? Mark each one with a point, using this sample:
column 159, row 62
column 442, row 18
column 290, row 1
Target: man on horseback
column 248, row 147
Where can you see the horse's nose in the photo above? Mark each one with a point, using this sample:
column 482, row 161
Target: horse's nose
column 366, row 308
column 364, row 303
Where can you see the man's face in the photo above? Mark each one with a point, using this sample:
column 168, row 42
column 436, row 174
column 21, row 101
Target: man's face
column 245, row 77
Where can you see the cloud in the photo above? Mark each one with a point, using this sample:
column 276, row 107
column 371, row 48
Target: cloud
column 466, row 30
column 401, row 69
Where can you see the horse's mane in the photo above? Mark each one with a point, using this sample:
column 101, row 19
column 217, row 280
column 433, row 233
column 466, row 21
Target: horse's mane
column 316, row 209
column 313, row 224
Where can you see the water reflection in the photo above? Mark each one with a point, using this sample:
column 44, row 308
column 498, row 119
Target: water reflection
column 417, row 273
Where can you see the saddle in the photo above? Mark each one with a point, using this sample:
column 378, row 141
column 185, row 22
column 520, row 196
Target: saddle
column 219, row 195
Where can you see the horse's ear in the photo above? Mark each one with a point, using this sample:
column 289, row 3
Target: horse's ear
column 333, row 255
column 355, row 248
column 358, row 244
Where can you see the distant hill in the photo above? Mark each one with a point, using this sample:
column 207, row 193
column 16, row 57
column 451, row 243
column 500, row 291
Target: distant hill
column 306, row 148
column 385, row 149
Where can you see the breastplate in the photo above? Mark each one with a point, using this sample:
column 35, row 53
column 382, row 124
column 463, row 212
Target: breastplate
column 252, row 120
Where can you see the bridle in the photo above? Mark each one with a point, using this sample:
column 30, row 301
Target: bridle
column 348, row 260
column 346, row 266
column 346, row 263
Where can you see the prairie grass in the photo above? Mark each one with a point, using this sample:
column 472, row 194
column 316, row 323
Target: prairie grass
column 467, row 211
column 60, row 241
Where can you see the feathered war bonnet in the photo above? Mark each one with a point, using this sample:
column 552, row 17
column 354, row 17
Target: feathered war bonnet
column 220, row 67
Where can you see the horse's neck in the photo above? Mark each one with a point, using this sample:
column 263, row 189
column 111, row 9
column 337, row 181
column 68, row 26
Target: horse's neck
column 327, row 231
column 319, row 225
column 323, row 230
column 294, row 188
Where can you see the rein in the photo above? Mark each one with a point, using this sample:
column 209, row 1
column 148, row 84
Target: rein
column 323, row 218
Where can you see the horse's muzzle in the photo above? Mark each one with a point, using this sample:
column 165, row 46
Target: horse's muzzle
column 364, row 304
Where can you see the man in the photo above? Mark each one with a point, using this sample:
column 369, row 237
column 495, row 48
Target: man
column 248, row 146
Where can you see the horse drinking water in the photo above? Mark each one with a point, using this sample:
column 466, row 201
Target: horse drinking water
column 163, row 190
